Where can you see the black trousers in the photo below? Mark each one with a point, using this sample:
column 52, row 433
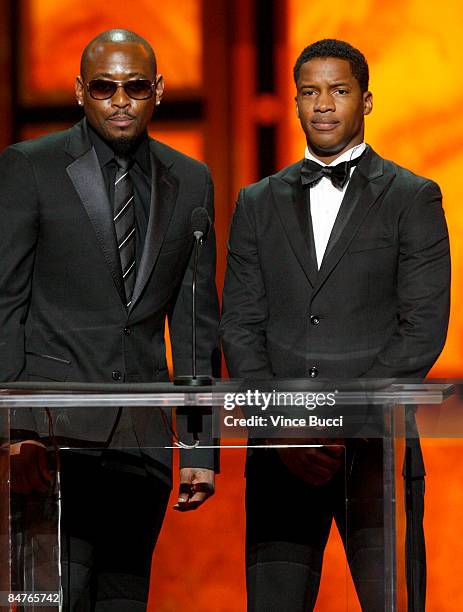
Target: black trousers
column 288, row 524
column 112, row 514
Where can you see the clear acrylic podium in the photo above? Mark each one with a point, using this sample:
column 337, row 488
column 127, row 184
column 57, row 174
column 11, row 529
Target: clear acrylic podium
column 276, row 414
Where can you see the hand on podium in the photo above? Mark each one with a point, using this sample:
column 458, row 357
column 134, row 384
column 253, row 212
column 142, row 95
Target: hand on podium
column 196, row 485
column 29, row 469
column 315, row 466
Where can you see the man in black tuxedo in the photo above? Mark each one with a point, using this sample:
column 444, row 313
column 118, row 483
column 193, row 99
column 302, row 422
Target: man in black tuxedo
column 96, row 251
column 338, row 266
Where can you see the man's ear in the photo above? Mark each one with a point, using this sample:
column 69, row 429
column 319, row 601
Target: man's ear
column 367, row 102
column 159, row 88
column 79, row 89
column 297, row 107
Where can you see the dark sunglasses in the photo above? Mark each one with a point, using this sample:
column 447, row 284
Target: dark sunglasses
column 137, row 89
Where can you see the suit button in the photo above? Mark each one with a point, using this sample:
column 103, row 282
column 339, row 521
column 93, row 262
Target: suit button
column 313, row 372
column 315, row 319
column 116, row 375
column 127, row 331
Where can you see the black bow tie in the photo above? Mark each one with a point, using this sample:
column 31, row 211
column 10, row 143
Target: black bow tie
column 312, row 173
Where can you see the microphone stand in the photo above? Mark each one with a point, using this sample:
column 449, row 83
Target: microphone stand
column 195, row 380
column 194, row 414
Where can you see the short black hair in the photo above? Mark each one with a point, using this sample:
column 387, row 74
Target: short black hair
column 330, row 47
column 117, row 36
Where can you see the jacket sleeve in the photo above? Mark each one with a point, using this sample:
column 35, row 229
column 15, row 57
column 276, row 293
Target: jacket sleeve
column 18, row 237
column 423, row 290
column 207, row 342
column 207, row 307
column 245, row 310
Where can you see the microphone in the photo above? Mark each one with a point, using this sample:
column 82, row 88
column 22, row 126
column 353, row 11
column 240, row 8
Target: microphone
column 200, row 223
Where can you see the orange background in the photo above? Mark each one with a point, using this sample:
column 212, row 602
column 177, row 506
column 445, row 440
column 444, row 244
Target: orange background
column 59, row 30
column 414, row 52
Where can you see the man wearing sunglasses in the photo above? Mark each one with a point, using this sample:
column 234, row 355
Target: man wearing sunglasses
column 96, row 252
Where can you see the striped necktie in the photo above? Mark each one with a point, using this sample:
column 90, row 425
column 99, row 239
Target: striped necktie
column 124, row 223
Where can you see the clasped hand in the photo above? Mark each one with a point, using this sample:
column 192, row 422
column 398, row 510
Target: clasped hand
column 314, row 465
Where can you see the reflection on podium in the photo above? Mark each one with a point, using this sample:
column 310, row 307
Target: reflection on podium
column 361, row 431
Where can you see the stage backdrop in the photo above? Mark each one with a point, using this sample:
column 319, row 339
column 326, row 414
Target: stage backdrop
column 414, row 51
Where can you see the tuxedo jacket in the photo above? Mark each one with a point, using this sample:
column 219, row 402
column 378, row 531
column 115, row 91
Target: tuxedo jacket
column 379, row 304
column 62, row 312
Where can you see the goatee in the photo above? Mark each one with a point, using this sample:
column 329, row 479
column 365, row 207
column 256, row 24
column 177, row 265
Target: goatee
column 123, row 147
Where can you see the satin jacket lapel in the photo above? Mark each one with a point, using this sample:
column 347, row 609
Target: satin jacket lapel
column 87, row 178
column 310, row 235
column 292, row 208
column 163, row 199
column 367, row 184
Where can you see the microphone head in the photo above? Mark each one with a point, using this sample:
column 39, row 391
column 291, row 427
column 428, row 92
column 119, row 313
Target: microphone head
column 199, row 222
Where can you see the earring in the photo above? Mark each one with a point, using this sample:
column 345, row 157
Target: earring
column 158, row 102
column 79, row 102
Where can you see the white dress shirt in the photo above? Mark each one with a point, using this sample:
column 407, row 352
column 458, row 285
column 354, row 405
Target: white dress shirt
column 326, row 199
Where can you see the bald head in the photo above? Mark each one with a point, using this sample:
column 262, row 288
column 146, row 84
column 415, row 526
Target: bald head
column 122, row 64
column 115, row 37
